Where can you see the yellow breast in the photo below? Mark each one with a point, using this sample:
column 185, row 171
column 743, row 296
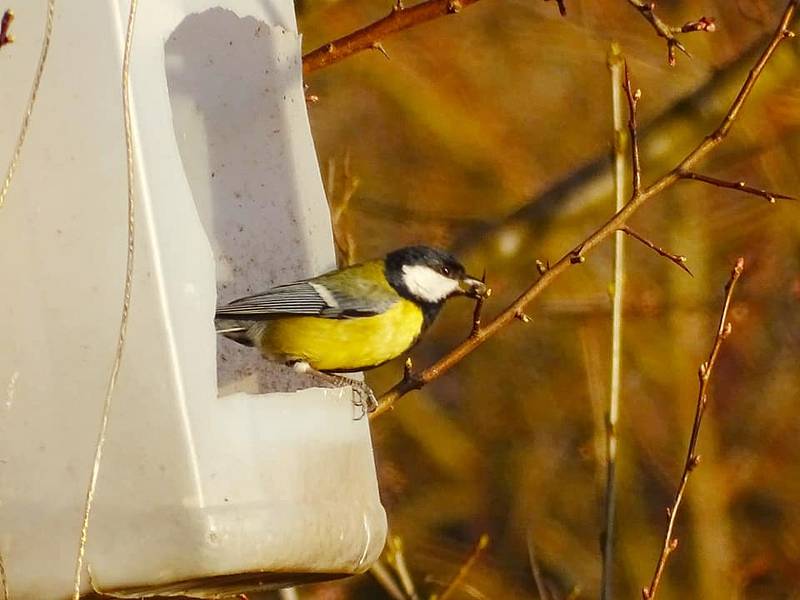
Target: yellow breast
column 343, row 344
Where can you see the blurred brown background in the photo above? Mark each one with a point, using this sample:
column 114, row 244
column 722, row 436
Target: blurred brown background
column 489, row 132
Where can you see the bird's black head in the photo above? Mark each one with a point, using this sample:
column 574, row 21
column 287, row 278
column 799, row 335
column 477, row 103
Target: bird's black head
column 430, row 276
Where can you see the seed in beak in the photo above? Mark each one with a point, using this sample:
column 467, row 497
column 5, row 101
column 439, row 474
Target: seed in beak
column 475, row 288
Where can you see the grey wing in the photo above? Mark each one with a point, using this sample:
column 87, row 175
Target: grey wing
column 303, row 298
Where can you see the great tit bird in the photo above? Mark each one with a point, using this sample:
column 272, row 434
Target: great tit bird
column 351, row 319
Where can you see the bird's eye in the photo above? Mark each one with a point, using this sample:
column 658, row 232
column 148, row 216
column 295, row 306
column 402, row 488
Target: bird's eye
column 445, row 270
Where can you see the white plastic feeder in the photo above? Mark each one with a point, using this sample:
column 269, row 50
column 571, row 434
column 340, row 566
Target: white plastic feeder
column 203, row 491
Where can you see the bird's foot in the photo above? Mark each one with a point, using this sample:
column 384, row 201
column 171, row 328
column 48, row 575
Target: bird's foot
column 363, row 396
column 367, row 400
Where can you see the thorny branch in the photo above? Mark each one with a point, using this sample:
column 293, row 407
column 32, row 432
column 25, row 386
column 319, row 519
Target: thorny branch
column 647, row 9
column 416, row 380
column 369, row 38
column 5, row 25
column 692, row 458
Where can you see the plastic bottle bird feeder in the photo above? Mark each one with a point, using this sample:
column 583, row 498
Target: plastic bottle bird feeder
column 203, row 490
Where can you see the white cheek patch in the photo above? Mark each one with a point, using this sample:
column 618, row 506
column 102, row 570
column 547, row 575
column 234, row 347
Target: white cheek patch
column 426, row 284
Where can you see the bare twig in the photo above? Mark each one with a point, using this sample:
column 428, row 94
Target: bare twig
column 396, row 558
column 340, row 205
column 647, row 8
column 382, row 575
column 3, row 579
column 676, row 258
column 692, row 458
column 5, row 24
column 620, row 84
column 740, row 186
column 414, row 381
column 633, row 97
column 458, row 578
column 562, row 8
column 369, row 38
column 536, row 571
column 585, row 184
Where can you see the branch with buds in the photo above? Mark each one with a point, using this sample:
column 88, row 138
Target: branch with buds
column 692, row 458
column 676, row 258
column 740, row 186
column 647, row 9
column 414, row 380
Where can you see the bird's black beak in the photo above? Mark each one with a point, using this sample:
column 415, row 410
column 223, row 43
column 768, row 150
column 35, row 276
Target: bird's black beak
column 473, row 287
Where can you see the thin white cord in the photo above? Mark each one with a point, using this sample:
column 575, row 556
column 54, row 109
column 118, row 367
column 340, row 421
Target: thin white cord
column 126, row 301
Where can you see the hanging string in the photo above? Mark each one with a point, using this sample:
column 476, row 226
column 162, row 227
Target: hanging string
column 126, row 301
column 26, row 120
column 12, row 167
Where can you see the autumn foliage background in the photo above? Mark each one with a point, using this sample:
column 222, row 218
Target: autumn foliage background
column 489, row 132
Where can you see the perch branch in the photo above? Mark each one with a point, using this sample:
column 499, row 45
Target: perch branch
column 676, row 258
column 692, row 458
column 369, row 38
column 5, row 25
column 647, row 9
column 414, row 381
column 740, row 186
column 458, row 578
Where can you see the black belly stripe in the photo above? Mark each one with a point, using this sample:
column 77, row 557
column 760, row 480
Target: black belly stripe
column 429, row 313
